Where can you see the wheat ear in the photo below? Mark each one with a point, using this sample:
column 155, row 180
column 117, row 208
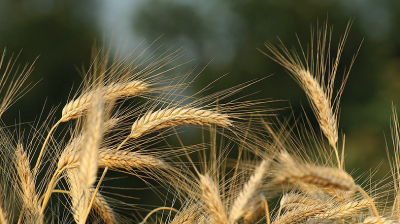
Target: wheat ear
column 77, row 195
column 344, row 210
column 212, row 200
column 258, row 208
column 165, row 118
column 298, row 214
column 249, row 190
column 88, row 163
column 29, row 197
column 111, row 92
column 320, row 176
column 313, row 81
column 79, row 107
column 381, row 220
column 101, row 206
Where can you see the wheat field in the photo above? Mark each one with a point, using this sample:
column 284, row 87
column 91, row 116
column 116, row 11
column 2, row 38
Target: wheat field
column 249, row 167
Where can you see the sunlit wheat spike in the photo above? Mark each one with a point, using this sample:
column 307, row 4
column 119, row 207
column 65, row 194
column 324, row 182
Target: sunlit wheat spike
column 212, row 200
column 316, row 72
column 111, row 92
column 292, row 200
column 256, row 210
column 320, row 176
column 344, row 210
column 101, row 206
column 77, row 192
column 122, row 159
column 165, row 118
column 88, row 161
column 115, row 159
column 78, row 207
column 239, row 207
column 298, row 214
column 382, row 220
column 31, row 205
column 317, row 175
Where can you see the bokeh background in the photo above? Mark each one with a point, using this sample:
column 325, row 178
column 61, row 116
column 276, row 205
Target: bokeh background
column 227, row 33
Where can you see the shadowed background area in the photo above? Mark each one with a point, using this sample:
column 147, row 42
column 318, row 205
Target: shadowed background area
column 227, row 33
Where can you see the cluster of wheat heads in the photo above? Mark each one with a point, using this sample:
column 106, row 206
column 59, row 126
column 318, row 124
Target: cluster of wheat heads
column 124, row 112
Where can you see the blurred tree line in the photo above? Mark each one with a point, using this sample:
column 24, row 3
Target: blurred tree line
column 227, row 33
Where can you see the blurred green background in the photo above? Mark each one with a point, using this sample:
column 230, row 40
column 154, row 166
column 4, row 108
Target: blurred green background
column 227, row 33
